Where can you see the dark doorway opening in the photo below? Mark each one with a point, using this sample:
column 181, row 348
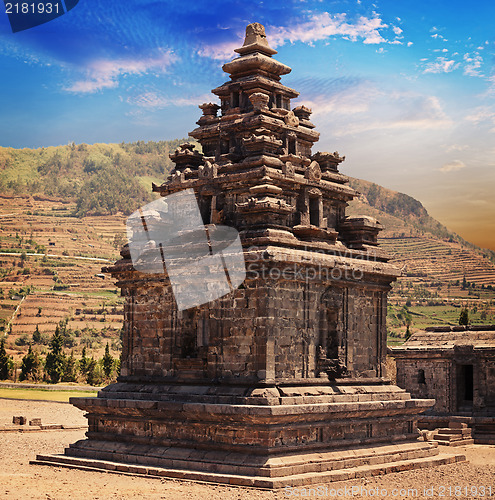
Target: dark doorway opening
column 314, row 211
column 465, row 387
column 205, row 209
column 292, row 146
column 330, row 334
column 468, row 382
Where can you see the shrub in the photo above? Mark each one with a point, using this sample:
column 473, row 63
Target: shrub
column 22, row 340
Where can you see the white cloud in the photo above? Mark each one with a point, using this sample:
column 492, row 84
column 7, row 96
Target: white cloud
column 452, row 166
column 397, row 30
column 349, row 101
column 155, row 100
column 374, row 110
column 409, row 44
column 441, row 65
column 318, row 27
column 105, row 73
column 482, row 114
column 455, row 147
column 491, row 89
column 325, row 25
column 474, row 62
column 221, row 51
column 437, row 36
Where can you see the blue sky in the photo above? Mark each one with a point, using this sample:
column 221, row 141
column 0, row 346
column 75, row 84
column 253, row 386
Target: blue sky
column 405, row 89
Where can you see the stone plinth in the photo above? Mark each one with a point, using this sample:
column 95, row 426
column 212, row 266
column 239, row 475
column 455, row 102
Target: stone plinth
column 266, row 437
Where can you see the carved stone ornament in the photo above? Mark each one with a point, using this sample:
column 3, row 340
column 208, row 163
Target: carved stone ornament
column 313, row 172
column 289, row 169
column 209, row 109
column 259, row 101
column 314, row 192
column 208, row 170
column 291, row 119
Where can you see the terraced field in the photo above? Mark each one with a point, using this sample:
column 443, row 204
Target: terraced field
column 429, row 259
column 59, row 258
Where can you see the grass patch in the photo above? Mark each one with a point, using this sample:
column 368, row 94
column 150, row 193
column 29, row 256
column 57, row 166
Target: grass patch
column 43, row 394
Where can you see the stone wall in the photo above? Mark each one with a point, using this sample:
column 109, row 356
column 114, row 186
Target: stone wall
column 427, row 378
column 268, row 329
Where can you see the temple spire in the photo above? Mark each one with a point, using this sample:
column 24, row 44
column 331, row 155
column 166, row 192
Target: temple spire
column 255, row 57
column 255, row 41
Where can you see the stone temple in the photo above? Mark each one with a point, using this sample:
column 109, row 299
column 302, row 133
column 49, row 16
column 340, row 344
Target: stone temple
column 281, row 381
column 455, row 365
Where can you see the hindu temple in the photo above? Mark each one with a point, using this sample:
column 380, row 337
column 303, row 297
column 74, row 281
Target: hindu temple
column 281, row 380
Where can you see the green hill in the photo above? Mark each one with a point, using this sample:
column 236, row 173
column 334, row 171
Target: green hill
column 106, row 179
column 102, row 179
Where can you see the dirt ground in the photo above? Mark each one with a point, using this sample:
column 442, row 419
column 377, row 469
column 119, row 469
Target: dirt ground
column 19, row 480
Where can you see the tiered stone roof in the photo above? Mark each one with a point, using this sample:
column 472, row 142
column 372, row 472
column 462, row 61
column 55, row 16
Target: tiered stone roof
column 257, row 172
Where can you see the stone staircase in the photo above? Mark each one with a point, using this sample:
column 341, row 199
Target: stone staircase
column 456, row 434
column 298, row 470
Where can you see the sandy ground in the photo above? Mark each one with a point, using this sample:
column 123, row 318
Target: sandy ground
column 20, row 480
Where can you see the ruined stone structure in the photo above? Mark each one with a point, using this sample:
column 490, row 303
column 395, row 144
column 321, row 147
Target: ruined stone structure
column 282, row 381
column 455, row 366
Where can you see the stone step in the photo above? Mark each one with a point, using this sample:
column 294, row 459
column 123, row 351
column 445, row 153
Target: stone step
column 449, row 431
column 454, row 432
column 247, row 463
column 446, row 438
column 463, row 442
column 306, row 399
column 242, row 480
column 457, row 425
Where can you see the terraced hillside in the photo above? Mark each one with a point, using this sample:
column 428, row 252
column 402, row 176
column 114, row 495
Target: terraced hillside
column 50, row 268
column 425, row 249
column 430, row 259
column 54, row 241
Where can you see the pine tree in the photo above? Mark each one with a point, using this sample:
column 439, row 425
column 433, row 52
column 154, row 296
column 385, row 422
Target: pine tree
column 55, row 359
column 30, row 366
column 408, row 332
column 464, row 317
column 93, row 376
column 108, row 362
column 6, row 363
column 70, row 369
column 83, row 363
column 37, row 335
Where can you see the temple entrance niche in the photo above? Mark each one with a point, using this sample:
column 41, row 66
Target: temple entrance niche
column 195, row 333
column 332, row 338
column 465, row 387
